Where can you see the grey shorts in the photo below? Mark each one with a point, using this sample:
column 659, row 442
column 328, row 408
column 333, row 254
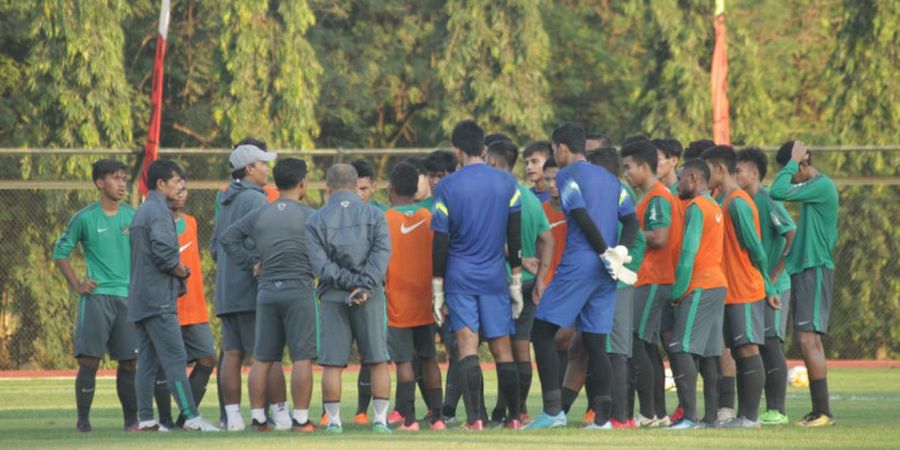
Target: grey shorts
column 342, row 324
column 745, row 324
column 649, row 302
column 622, row 337
column 102, row 325
column 526, row 319
column 667, row 316
column 811, row 294
column 198, row 341
column 698, row 323
column 286, row 315
column 777, row 319
column 239, row 332
column 407, row 344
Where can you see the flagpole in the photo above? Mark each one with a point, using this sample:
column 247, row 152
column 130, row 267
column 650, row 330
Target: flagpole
column 151, row 149
column 719, row 79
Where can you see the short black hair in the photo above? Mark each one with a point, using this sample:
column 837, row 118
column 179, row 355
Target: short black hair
column 441, row 161
column 545, row 147
column 550, row 162
column 405, row 179
column 364, row 168
column 495, row 137
column 698, row 165
column 418, row 162
column 785, row 152
column 607, row 158
column 251, row 141
column 635, row 138
column 104, row 167
column 506, row 150
column 468, row 137
column 595, row 136
column 162, row 169
column 289, row 172
column 670, row 147
column 696, row 148
column 757, row 157
column 572, row 135
column 642, row 152
column 721, row 154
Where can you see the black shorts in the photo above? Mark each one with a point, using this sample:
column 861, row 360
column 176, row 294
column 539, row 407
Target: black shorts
column 745, row 324
column 102, row 325
column 811, row 293
column 526, row 318
column 698, row 323
column 239, row 332
column 407, row 344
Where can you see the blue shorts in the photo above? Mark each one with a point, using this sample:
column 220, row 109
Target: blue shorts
column 489, row 314
column 588, row 305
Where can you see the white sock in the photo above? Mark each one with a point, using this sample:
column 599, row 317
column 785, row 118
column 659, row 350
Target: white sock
column 258, row 414
column 147, row 423
column 301, row 416
column 333, row 409
column 381, row 409
column 233, row 414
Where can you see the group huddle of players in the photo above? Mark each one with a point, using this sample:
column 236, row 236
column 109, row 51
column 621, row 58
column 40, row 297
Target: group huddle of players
column 611, row 255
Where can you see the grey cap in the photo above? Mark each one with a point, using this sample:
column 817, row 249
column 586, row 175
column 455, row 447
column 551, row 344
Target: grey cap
column 244, row 155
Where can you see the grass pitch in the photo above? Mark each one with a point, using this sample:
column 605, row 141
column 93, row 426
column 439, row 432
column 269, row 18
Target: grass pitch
column 40, row 413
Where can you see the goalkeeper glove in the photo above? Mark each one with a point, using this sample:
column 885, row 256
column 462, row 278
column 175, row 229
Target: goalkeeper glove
column 437, row 300
column 515, row 295
column 614, row 260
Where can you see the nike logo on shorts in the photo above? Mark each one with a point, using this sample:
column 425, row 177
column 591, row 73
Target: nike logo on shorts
column 87, row 390
column 738, row 336
column 184, row 247
column 406, row 230
column 802, row 323
column 556, row 224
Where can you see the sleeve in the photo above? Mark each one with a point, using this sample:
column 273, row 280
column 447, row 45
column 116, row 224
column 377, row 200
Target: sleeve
column 325, row 269
column 780, row 218
column 72, row 235
column 376, row 265
column 630, row 225
column 636, row 250
column 748, row 238
column 515, row 198
column 440, row 217
column 569, row 192
column 693, row 232
column 164, row 243
column 235, row 235
column 807, row 192
column 626, row 203
column 658, row 213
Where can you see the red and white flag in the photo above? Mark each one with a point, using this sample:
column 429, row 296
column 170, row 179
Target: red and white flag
column 719, row 80
column 152, row 147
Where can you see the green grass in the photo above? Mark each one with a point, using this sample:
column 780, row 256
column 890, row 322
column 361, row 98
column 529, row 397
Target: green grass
column 41, row 414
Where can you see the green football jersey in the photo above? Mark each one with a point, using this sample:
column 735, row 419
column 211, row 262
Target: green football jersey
column 639, row 246
column 774, row 223
column 106, row 245
column 427, row 203
column 534, row 224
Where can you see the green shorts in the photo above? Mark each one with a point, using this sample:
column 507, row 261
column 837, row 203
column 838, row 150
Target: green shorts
column 811, row 292
column 407, row 344
column 745, row 324
column 102, row 325
column 649, row 301
column 621, row 337
column 239, row 332
column 198, row 341
column 698, row 323
column 777, row 319
column 342, row 324
column 285, row 315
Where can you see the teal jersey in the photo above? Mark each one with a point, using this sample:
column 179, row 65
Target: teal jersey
column 774, row 224
column 674, row 189
column 817, row 230
column 639, row 246
column 427, row 203
column 381, row 206
column 534, row 224
column 106, row 245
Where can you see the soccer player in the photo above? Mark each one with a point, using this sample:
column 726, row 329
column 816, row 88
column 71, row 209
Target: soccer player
column 536, row 235
column 810, row 265
column 537, row 154
column 411, row 326
column 699, row 298
column 778, row 230
column 423, row 188
column 286, row 308
column 196, row 333
column 367, row 185
column 476, row 211
column 662, row 222
column 349, row 249
column 236, row 286
column 749, row 288
column 101, row 326
column 157, row 279
column 668, row 154
column 583, row 290
column 555, row 216
column 438, row 164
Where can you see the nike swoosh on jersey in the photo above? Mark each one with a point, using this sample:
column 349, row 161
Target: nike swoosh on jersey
column 718, row 218
column 101, row 230
column 406, row 230
column 184, row 247
column 556, row 224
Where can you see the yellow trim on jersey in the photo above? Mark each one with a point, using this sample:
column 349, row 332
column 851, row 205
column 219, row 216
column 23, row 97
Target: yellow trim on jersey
column 623, row 194
column 439, row 206
column 514, row 198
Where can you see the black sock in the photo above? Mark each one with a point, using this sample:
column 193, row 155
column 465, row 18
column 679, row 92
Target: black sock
column 753, row 378
column 163, row 398
column 364, row 388
column 619, row 386
column 435, row 401
column 709, row 368
column 406, row 401
column 590, row 388
column 599, row 365
column 726, row 391
column 643, row 377
column 567, row 398
column 508, row 378
column 420, row 378
column 127, row 395
column 563, row 357
column 659, row 379
column 685, row 374
column 85, row 384
column 454, row 389
column 499, row 412
column 546, row 357
column 472, row 381
column 818, row 389
column 525, row 375
column 776, row 374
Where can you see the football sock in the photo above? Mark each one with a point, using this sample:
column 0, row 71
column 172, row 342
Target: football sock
column 333, row 409
column 568, row 397
column 301, row 416
column 752, row 374
column 471, row 380
column 508, row 378
column 619, row 386
column 599, row 365
column 161, row 393
column 499, row 412
column 546, row 357
column 85, row 384
column 380, row 405
column 563, row 357
column 420, row 378
column 233, row 413
column 454, row 389
column 435, row 401
column 258, row 414
column 590, row 389
column 819, row 391
column 726, row 391
column 685, row 374
column 127, row 395
column 776, row 374
column 709, row 368
column 659, row 379
column 643, row 377
column 364, row 388
column 525, row 375
column 406, row 400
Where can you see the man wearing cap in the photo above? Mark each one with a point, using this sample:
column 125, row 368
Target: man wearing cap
column 236, row 279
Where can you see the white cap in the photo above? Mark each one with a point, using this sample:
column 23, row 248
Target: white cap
column 244, row 155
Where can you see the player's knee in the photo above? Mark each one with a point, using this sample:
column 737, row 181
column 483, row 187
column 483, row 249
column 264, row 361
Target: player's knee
column 806, row 340
column 128, row 365
column 89, row 361
column 207, row 361
column 746, row 351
